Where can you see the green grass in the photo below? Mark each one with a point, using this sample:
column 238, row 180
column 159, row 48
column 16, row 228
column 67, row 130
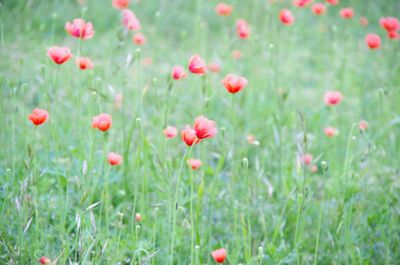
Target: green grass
column 60, row 198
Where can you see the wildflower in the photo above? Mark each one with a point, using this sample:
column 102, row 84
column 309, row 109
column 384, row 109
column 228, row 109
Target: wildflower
column 219, row 255
column 286, row 17
column 59, row 54
column 80, row 29
column 84, row 63
column 234, row 83
column 102, row 122
column 204, row 128
column 114, row 159
column 38, row 116
column 347, row 12
column 223, row 9
column 194, row 163
column 373, row 41
column 197, row 65
column 178, row 72
column 332, row 97
column 170, row 132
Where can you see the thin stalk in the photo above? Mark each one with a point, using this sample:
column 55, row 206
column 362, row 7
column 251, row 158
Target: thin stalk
column 175, row 205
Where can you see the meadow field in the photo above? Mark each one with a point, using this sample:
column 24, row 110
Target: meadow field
column 199, row 132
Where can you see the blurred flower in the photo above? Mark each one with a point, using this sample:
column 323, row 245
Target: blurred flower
column 139, row 39
column 219, row 255
column 223, row 9
column 314, row 169
column 363, row 21
column 332, row 97
column 189, row 136
column 84, row 63
column 236, row 54
column 204, row 127
column 80, row 29
column 332, row 2
column 394, row 35
column 242, row 29
column 138, row 217
column 318, row 8
column 363, row 125
column 286, row 17
column 178, row 72
column 389, row 23
column 373, row 41
column 301, row 3
column 194, row 163
column 102, row 122
column 59, row 54
column 114, row 159
column 45, row 260
column 331, row 131
column 38, row 116
column 234, row 83
column 170, row 132
column 197, row 65
column 147, row 61
column 347, row 12
column 119, row 98
column 129, row 20
column 120, row 4
column 251, row 139
column 214, row 67
column 306, row 159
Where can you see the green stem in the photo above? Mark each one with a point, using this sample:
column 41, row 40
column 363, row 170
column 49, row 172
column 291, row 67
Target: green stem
column 175, row 205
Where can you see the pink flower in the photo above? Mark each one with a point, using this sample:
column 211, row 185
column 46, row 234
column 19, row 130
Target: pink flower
column 38, row 116
column 139, row 39
column 114, row 159
column 138, row 217
column 194, row 163
column 178, row 72
column 197, row 65
column 236, row 55
column 189, row 136
column 102, row 122
column 219, row 255
column 84, row 63
column 394, row 35
column 306, row 159
column 119, row 99
column 80, row 29
column 120, row 4
column 318, row 8
column 45, row 260
column 332, row 97
column 286, row 17
column 314, row 169
column 301, row 3
column 347, row 12
column 389, row 23
column 214, row 67
column 129, row 20
column 363, row 125
column 331, row 131
column 223, row 9
column 332, row 2
column 363, row 21
column 373, row 41
column 234, row 83
column 204, row 128
column 59, row 54
column 242, row 29
column 170, row 132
